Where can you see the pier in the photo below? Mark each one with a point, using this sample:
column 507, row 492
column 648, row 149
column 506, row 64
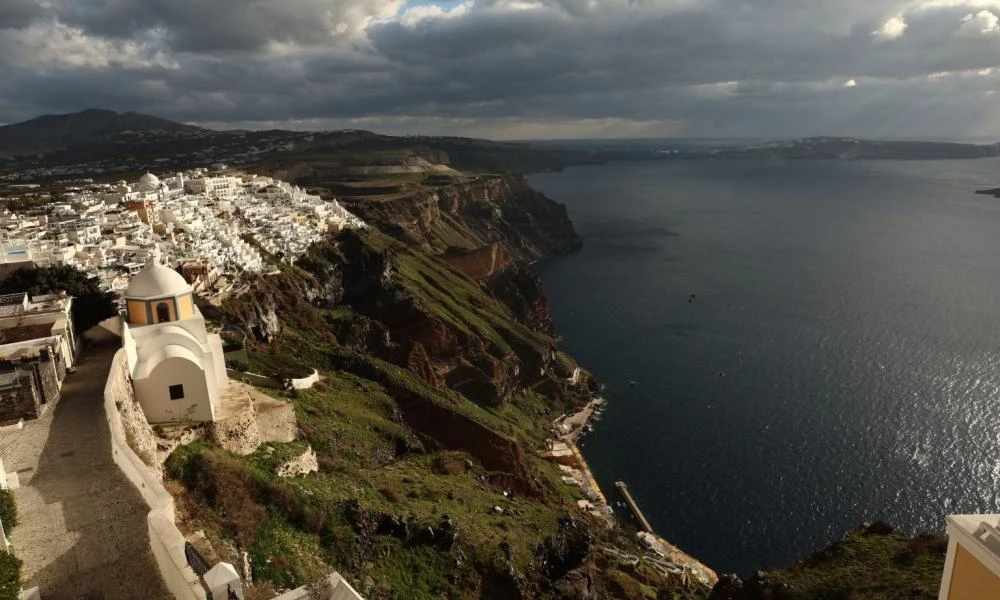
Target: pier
column 633, row 506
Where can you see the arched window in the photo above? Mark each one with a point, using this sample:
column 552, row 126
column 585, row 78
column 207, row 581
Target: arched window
column 162, row 312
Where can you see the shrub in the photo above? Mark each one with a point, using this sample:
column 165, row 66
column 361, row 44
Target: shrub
column 929, row 543
column 230, row 343
column 389, row 494
column 223, row 482
column 449, row 463
column 237, row 365
column 10, row 576
column 8, row 510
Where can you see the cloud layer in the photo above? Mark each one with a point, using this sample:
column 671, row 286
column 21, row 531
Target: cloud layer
column 517, row 68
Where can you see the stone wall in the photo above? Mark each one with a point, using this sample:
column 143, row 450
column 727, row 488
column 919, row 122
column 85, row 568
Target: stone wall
column 238, row 433
column 49, row 375
column 303, row 464
column 138, row 433
column 22, row 402
column 39, row 382
column 60, row 364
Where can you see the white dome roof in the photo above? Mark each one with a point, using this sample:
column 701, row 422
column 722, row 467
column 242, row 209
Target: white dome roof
column 155, row 281
column 149, row 183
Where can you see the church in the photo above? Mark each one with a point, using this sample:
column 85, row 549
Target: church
column 177, row 367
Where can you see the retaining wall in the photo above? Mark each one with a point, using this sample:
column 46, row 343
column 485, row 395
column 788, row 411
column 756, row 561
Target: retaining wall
column 254, row 379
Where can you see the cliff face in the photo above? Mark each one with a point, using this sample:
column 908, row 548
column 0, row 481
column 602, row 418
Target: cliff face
column 474, row 214
column 486, row 228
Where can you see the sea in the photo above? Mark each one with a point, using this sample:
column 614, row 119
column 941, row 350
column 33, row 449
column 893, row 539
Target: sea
column 789, row 348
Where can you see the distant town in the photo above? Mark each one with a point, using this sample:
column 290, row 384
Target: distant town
column 210, row 226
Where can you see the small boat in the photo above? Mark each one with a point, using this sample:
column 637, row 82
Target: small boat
column 631, row 383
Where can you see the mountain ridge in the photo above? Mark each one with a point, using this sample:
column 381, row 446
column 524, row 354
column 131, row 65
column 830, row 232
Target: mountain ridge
column 53, row 147
column 49, row 132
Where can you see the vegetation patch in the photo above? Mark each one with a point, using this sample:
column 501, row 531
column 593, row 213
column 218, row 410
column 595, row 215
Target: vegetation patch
column 8, row 510
column 10, row 576
column 869, row 563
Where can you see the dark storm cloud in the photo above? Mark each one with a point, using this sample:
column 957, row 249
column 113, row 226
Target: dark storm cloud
column 223, row 25
column 19, row 13
column 691, row 67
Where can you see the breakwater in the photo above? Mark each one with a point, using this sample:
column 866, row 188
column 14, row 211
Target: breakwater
column 623, row 489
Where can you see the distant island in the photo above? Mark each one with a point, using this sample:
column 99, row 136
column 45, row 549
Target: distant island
column 844, row 148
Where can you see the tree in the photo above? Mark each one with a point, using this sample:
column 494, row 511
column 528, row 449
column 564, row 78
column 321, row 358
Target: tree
column 91, row 305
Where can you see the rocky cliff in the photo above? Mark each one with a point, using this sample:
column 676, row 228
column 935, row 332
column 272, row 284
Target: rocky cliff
column 475, row 213
column 440, row 381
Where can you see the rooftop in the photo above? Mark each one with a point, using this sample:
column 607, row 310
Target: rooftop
column 25, row 333
column 156, row 281
column 980, row 535
column 21, row 303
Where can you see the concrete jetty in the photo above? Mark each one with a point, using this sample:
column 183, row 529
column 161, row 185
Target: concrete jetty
column 633, row 506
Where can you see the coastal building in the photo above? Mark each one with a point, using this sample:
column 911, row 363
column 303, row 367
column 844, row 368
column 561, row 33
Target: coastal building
column 177, row 367
column 972, row 565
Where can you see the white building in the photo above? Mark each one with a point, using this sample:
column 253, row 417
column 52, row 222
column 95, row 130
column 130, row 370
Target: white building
column 177, row 367
column 226, row 187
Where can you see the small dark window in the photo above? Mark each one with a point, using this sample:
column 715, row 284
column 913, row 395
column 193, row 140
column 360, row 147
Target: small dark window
column 162, row 312
column 176, row 392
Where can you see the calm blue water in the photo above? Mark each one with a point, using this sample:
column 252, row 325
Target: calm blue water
column 839, row 363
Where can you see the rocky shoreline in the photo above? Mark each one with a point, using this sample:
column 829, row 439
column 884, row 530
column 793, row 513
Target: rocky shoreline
column 661, row 554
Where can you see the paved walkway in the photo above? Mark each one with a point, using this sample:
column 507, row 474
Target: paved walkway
column 82, row 531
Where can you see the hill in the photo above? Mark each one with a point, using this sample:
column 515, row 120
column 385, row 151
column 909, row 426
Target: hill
column 109, row 143
column 51, row 132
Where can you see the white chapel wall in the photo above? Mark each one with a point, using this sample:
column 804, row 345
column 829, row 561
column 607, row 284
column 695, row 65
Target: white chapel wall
column 153, row 392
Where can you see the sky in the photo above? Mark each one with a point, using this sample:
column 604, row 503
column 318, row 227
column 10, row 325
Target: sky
column 517, row 69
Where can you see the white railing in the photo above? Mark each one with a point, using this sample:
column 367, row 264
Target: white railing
column 17, row 298
column 989, row 536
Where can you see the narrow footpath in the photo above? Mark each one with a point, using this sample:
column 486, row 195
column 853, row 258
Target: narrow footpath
column 82, row 531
